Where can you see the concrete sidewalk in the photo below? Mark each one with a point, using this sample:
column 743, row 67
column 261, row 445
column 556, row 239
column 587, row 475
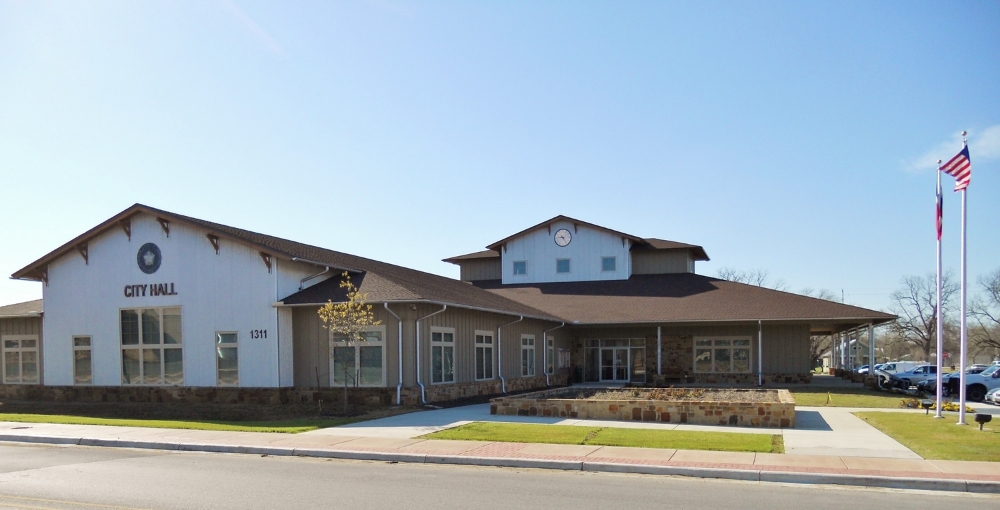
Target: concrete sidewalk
column 813, row 469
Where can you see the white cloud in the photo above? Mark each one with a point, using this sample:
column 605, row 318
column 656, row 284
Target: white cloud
column 984, row 145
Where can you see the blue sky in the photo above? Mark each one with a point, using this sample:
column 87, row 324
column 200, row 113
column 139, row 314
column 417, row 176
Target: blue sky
column 796, row 137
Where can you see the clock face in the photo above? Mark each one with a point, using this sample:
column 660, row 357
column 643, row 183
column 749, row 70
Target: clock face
column 563, row 237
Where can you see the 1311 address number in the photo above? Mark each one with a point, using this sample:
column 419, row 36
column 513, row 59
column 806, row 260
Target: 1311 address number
column 258, row 333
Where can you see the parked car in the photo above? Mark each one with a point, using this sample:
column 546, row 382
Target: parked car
column 993, row 396
column 976, row 385
column 885, row 370
column 913, row 376
column 863, row 369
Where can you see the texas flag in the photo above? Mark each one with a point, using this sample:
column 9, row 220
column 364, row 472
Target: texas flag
column 940, row 209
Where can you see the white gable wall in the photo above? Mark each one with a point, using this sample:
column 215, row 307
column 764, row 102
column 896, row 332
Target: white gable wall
column 228, row 291
column 588, row 246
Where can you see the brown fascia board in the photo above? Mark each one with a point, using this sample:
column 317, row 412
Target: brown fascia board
column 497, row 245
column 651, row 244
column 843, row 320
column 30, row 272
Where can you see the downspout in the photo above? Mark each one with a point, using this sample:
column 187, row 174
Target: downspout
column 545, row 351
column 760, row 353
column 399, row 338
column 423, row 397
column 503, row 382
column 302, row 282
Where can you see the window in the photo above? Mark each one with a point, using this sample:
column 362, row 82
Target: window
column 358, row 363
column 550, row 346
column 152, row 346
column 722, row 355
column 563, row 358
column 442, row 355
column 520, row 267
column 562, row 265
column 609, row 264
column 484, row 355
column 527, row 355
column 227, row 359
column 83, row 364
column 20, row 359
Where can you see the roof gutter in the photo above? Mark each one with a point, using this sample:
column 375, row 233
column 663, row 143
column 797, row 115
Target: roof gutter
column 439, row 303
column 423, row 398
column 545, row 352
column 503, row 382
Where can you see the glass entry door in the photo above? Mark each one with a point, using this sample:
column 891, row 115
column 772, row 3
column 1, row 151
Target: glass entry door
column 614, row 364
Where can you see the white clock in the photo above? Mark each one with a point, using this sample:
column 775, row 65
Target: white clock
column 563, row 237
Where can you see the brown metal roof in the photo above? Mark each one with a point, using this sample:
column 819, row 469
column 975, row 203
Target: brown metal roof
column 662, row 244
column 25, row 309
column 485, row 254
column 498, row 244
column 382, row 281
column 681, row 297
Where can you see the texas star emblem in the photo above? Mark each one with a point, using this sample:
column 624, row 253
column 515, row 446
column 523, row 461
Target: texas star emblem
column 148, row 258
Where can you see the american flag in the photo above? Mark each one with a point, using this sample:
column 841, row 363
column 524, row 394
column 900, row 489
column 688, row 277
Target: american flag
column 959, row 167
column 940, row 209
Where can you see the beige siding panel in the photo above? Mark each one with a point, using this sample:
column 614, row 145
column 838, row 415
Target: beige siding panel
column 480, row 269
column 21, row 326
column 661, row 262
column 786, row 347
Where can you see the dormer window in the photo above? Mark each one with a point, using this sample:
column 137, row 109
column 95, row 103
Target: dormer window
column 562, row 265
column 609, row 264
column 520, row 267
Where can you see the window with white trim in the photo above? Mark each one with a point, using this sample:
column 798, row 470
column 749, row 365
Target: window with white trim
column 83, row 362
column 562, row 265
column 358, row 363
column 442, row 355
column 20, row 359
column 520, row 267
column 726, row 355
column 550, row 346
column 152, row 347
column 484, row 355
column 227, row 359
column 564, row 358
column 527, row 355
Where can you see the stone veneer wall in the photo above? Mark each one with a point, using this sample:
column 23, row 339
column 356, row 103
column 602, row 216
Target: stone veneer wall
column 268, row 396
column 547, row 403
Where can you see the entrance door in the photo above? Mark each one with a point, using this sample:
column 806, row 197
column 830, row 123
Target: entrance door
column 614, row 364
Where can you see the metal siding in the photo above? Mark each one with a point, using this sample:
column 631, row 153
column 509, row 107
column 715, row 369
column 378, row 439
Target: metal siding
column 228, row 291
column 585, row 251
column 480, row 269
column 661, row 262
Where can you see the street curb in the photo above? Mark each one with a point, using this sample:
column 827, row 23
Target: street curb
column 752, row 475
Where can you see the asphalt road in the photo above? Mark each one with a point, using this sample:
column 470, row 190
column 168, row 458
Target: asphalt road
column 73, row 477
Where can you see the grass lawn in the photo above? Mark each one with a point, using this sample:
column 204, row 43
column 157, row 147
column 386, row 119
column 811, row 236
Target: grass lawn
column 846, row 397
column 293, row 426
column 606, row 436
column 939, row 439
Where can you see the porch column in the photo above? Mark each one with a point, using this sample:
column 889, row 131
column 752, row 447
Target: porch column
column 659, row 351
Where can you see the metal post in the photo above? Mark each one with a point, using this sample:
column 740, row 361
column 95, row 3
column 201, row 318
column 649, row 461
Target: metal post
column 963, row 344
column 659, row 351
column 760, row 353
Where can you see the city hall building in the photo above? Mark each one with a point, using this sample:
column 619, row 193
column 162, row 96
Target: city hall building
column 150, row 299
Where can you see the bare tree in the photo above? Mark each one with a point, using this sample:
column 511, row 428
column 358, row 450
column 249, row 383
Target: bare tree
column 916, row 305
column 985, row 309
column 757, row 277
column 818, row 344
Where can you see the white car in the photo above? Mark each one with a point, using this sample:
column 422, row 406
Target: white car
column 977, row 385
column 993, row 397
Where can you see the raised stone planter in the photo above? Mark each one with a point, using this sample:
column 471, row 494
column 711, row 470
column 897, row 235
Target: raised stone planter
column 774, row 408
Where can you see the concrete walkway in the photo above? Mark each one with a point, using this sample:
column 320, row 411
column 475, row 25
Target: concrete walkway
column 813, row 469
column 828, row 431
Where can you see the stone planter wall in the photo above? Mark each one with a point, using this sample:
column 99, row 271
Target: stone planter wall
column 548, row 403
column 268, row 396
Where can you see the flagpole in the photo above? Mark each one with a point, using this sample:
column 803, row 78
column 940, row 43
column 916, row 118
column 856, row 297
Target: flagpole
column 940, row 336
column 963, row 344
